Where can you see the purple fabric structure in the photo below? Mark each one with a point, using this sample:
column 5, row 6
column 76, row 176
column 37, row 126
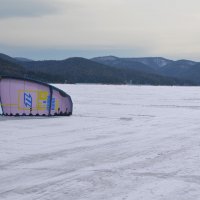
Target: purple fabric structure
column 21, row 97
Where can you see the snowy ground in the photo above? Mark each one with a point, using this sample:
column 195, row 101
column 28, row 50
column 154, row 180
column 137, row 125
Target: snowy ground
column 122, row 143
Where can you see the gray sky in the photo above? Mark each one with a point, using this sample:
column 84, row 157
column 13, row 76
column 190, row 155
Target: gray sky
column 57, row 29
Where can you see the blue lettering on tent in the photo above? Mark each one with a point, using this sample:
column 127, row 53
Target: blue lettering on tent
column 53, row 103
column 28, row 100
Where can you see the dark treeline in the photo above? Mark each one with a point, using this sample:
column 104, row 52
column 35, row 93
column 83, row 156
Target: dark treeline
column 105, row 70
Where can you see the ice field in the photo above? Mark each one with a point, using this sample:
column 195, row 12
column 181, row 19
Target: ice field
column 121, row 143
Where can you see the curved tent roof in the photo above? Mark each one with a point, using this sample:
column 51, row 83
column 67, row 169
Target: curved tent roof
column 22, row 96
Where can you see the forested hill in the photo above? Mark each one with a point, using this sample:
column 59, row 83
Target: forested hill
column 81, row 70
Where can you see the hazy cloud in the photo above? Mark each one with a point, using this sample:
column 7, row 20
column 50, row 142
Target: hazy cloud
column 132, row 27
column 28, row 8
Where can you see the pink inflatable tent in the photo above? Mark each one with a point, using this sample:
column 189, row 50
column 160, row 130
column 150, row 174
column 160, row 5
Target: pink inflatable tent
column 26, row 97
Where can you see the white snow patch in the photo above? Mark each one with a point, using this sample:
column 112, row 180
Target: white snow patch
column 121, row 143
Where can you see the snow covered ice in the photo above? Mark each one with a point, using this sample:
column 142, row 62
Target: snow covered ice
column 121, row 143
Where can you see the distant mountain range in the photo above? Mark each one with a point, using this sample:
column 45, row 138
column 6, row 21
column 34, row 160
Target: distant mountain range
column 181, row 69
column 105, row 70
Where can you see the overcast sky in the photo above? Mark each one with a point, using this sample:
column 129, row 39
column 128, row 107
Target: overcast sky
column 57, row 29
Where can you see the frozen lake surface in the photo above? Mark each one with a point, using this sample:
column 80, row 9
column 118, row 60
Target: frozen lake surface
column 122, row 143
